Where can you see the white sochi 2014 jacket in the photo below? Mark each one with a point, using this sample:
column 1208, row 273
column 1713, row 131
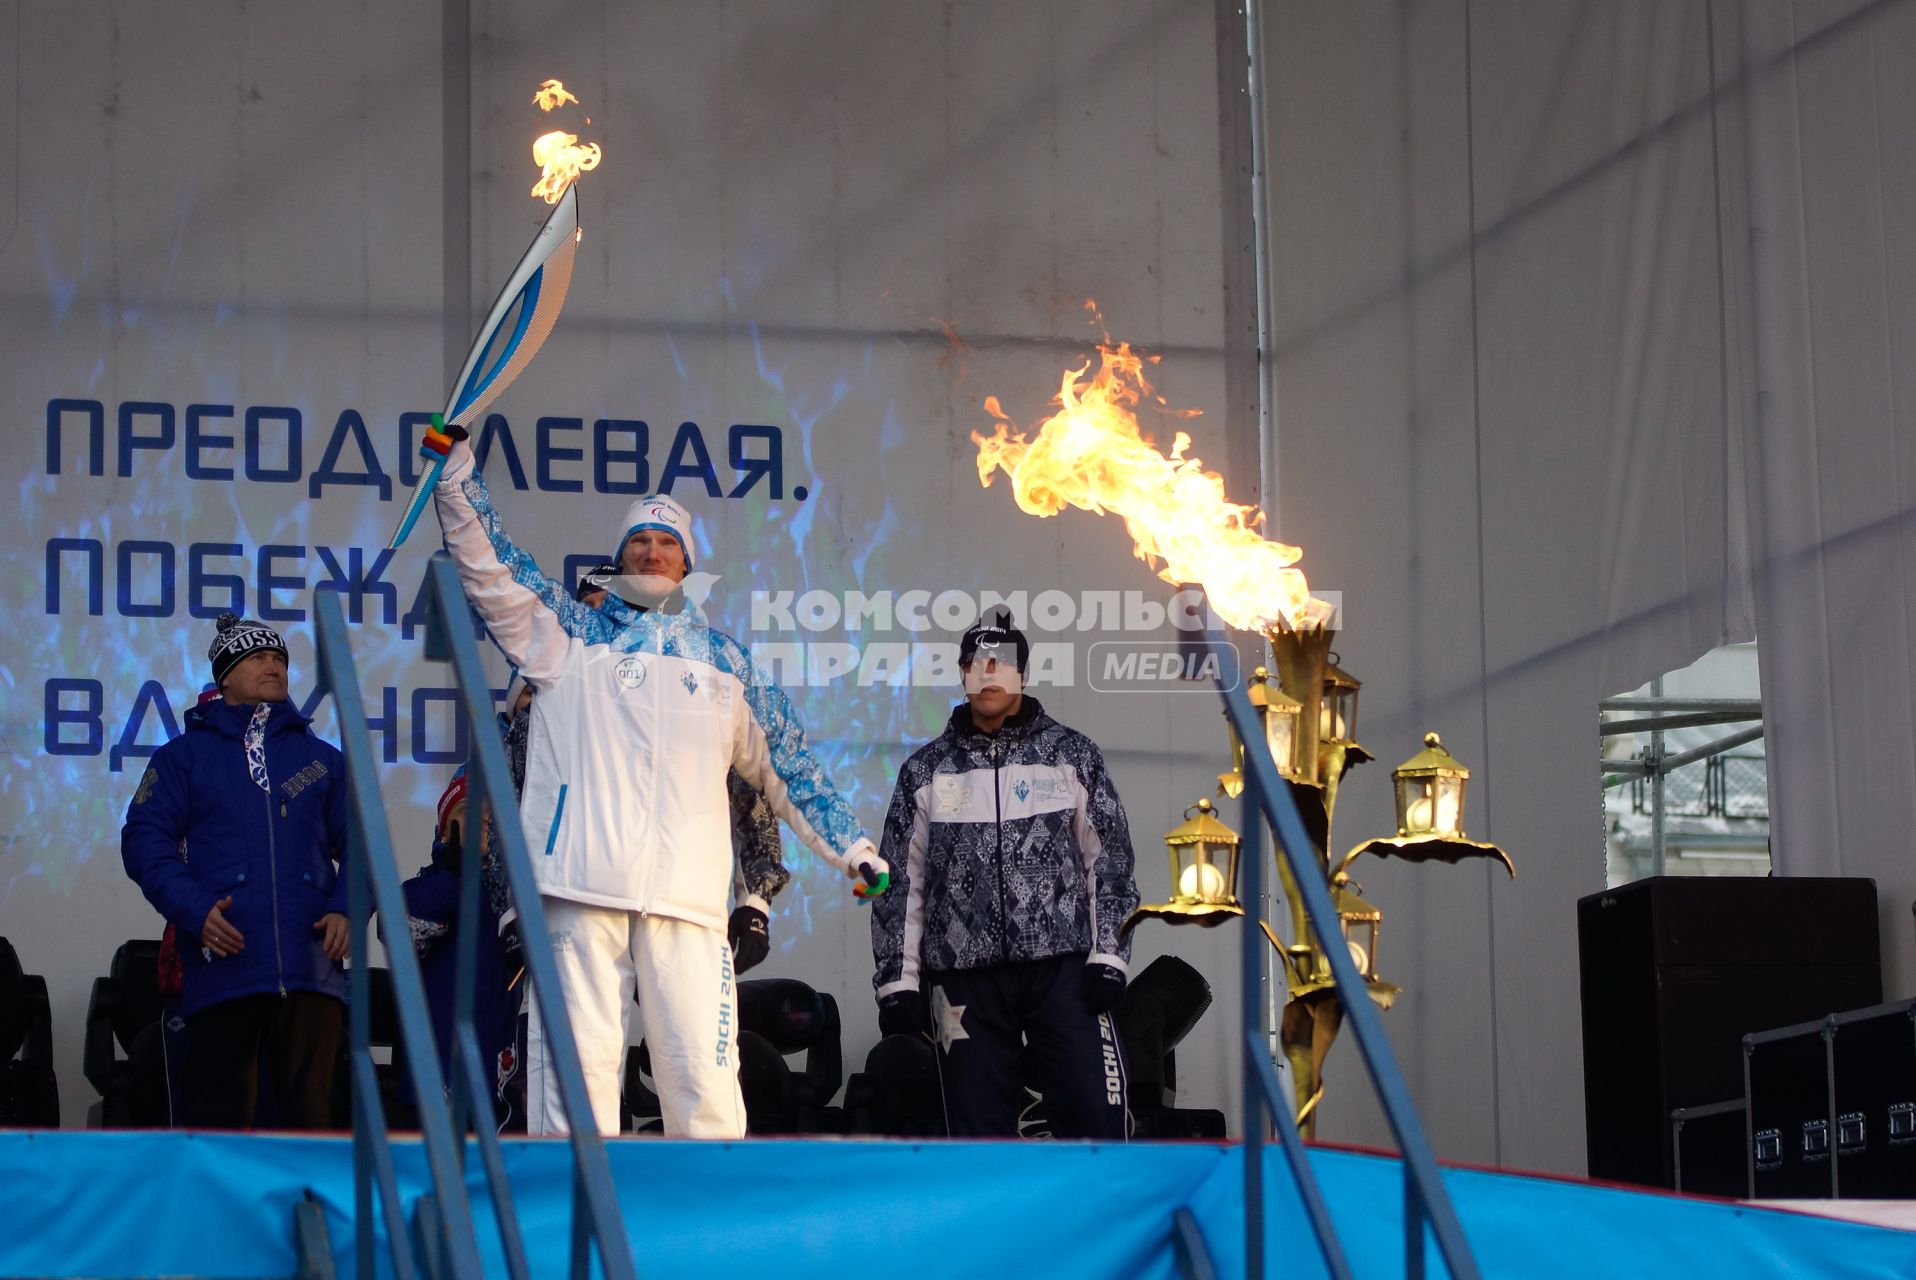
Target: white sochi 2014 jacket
column 638, row 716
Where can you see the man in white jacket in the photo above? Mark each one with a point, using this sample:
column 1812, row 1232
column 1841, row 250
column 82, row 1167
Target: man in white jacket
column 642, row 707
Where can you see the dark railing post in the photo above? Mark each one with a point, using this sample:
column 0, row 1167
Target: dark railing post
column 1251, row 971
column 1264, row 1099
column 467, row 1105
column 446, row 1220
column 371, row 863
column 1422, row 1177
column 359, row 1033
column 450, row 635
column 1413, row 1228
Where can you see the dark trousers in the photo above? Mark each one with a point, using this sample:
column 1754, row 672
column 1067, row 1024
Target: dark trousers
column 986, row 1023
column 294, row 1038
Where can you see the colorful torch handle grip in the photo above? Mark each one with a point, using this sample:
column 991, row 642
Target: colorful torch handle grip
column 866, row 892
column 433, row 446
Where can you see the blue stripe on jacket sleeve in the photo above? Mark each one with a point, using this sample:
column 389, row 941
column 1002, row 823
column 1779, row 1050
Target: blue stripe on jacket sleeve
column 806, row 784
column 578, row 620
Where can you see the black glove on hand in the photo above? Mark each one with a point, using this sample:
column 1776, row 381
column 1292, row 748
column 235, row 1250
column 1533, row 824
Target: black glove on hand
column 751, row 938
column 902, row 1013
column 512, row 952
column 451, row 849
column 1101, row 988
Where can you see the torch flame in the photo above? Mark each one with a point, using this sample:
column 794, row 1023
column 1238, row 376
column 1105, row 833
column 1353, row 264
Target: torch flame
column 561, row 161
column 1093, row 455
column 552, row 94
column 558, row 154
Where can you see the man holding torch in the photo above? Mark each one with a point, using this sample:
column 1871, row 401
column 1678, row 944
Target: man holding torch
column 642, row 707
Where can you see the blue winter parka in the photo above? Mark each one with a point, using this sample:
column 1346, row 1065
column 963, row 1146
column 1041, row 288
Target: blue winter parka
column 202, row 826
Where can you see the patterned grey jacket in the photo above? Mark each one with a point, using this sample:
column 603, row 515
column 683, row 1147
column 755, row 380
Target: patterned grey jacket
column 1003, row 847
column 760, row 872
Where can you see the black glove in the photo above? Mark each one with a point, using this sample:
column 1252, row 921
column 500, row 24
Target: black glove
column 1101, row 988
column 451, row 849
column 512, row 952
column 751, row 938
column 902, row 1013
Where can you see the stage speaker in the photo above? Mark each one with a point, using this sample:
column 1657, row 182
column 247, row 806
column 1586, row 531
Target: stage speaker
column 1676, row 970
column 1787, row 1084
column 1873, row 1102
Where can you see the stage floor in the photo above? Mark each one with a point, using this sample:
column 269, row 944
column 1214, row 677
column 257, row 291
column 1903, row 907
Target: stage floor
column 167, row 1203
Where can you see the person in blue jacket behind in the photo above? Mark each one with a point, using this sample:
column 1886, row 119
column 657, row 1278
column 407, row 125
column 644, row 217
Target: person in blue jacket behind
column 237, row 835
column 432, row 909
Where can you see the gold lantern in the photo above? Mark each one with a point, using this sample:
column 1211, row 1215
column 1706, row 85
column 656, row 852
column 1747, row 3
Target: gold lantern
column 1430, row 792
column 1359, row 921
column 1337, row 716
column 1430, row 813
column 1281, row 715
column 1313, row 1013
column 1203, row 858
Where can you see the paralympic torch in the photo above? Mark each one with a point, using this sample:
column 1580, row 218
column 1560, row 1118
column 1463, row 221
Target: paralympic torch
column 517, row 326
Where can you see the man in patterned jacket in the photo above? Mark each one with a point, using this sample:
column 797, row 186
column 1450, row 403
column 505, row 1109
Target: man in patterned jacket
column 1011, row 865
column 642, row 707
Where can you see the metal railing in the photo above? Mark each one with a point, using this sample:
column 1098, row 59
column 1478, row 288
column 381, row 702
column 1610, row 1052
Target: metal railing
column 1653, row 767
column 1427, row 1207
column 1727, row 786
column 441, row 1239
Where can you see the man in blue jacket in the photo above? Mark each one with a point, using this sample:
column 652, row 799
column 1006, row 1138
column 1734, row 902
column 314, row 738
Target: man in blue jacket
column 235, row 836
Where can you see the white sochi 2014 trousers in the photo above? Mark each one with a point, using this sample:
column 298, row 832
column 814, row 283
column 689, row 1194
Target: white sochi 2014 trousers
column 682, row 974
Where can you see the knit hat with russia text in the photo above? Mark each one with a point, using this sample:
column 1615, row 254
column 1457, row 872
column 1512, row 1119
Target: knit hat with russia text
column 238, row 640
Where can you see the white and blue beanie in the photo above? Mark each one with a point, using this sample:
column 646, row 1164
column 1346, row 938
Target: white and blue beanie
column 657, row 512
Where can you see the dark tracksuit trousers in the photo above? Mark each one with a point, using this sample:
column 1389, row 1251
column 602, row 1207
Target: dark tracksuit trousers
column 294, row 1037
column 984, row 1021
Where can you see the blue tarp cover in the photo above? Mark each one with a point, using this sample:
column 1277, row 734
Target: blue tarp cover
column 168, row 1203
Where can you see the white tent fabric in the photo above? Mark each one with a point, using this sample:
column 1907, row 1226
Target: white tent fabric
column 1590, row 325
column 1593, row 329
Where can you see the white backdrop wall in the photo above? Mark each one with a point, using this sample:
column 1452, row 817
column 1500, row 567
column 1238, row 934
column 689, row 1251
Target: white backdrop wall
column 1591, row 327
column 238, row 205
column 1591, row 324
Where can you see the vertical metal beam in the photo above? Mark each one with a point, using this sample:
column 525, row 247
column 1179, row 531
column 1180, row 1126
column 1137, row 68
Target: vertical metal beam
column 1237, row 167
column 455, row 180
column 1658, row 832
column 1242, row 282
column 1267, row 424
